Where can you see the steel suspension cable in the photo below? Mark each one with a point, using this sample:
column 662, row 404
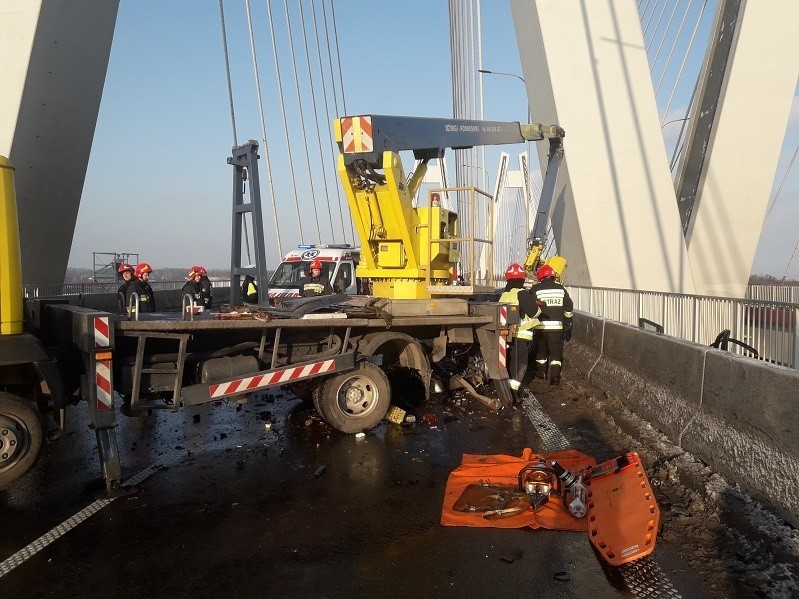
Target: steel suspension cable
column 330, row 60
column 779, row 188
column 684, row 60
column 263, row 130
column 338, row 56
column 285, row 120
column 657, row 24
column 302, row 118
column 646, row 25
column 328, row 120
column 335, row 105
column 322, row 160
column 227, row 73
column 673, row 46
column 663, row 38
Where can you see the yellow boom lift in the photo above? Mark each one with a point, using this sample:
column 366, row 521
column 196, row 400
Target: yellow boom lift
column 407, row 251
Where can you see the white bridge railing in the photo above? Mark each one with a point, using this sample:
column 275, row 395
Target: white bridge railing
column 768, row 327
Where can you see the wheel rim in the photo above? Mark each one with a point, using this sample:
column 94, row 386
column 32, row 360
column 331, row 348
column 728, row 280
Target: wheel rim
column 357, row 396
column 14, row 441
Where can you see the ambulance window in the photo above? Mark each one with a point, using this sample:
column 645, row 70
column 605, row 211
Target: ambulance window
column 343, row 278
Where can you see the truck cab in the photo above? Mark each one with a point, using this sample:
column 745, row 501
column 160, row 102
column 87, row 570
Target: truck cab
column 338, row 265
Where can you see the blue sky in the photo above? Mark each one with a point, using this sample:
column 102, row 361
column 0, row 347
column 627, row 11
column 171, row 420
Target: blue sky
column 158, row 183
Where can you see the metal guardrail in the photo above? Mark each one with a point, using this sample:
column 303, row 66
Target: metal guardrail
column 51, row 289
column 769, row 327
column 774, row 293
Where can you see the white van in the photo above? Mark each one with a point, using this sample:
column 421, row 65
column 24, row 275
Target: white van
column 338, row 265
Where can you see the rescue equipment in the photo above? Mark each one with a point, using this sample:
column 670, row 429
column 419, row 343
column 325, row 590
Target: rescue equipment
column 623, row 515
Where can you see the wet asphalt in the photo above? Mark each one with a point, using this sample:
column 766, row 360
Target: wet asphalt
column 266, row 500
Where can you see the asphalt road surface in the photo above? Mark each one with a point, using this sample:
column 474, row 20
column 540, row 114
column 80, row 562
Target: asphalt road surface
column 266, row 500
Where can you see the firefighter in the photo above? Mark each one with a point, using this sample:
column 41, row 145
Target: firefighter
column 126, row 272
column 249, row 290
column 141, row 285
column 316, row 283
column 192, row 286
column 551, row 304
column 523, row 335
column 205, row 287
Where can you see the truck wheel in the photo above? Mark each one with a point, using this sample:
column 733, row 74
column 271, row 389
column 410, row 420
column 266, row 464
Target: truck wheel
column 20, row 437
column 356, row 400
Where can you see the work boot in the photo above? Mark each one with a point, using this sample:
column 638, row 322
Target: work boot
column 555, row 380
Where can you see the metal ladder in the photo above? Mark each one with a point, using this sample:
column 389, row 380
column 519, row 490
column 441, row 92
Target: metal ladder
column 138, row 370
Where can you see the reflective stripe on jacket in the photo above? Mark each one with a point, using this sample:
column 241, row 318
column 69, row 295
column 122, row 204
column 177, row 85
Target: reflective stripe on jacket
column 526, row 324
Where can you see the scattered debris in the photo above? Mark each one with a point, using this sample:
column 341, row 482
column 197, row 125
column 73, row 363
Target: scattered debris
column 196, row 418
column 320, row 471
column 511, row 554
column 563, row 576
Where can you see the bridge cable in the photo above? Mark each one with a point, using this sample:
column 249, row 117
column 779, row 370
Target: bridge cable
column 263, row 130
column 645, row 26
column 322, row 160
column 673, row 46
column 327, row 112
column 285, row 120
column 232, row 114
column 335, row 104
column 663, row 38
column 657, row 23
column 338, row 56
column 302, row 118
column 227, row 73
column 779, row 188
column 684, row 60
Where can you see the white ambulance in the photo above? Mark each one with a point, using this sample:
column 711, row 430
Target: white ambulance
column 338, row 265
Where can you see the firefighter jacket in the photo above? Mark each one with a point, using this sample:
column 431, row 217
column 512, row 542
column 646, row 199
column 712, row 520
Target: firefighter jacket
column 550, row 303
column 526, row 323
column 205, row 292
column 146, row 295
column 193, row 289
column 312, row 286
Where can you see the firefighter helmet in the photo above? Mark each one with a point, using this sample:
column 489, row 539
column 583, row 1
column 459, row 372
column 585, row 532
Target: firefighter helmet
column 125, row 268
column 545, row 272
column 141, row 269
column 515, row 271
column 199, row 270
column 315, row 265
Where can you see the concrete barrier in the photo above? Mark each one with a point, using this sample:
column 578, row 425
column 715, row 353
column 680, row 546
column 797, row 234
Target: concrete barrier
column 736, row 414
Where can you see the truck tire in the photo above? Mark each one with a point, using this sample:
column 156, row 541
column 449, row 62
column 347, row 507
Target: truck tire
column 356, row 400
column 20, row 437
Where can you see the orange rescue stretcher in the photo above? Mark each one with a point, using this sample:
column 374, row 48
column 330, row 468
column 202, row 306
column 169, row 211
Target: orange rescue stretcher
column 564, row 490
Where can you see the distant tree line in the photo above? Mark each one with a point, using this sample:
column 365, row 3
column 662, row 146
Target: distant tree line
column 771, row 280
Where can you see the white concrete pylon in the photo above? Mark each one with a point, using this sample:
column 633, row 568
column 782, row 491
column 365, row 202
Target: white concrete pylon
column 615, row 217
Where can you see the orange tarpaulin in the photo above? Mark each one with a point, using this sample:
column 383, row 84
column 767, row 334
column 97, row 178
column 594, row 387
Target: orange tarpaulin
column 504, row 470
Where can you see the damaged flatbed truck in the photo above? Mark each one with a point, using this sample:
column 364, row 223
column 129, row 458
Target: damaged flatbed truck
column 339, row 352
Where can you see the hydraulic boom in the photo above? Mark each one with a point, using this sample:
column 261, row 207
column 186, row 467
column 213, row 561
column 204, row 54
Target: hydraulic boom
column 405, row 247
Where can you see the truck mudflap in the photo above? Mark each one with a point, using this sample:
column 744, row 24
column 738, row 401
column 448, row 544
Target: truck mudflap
column 194, row 395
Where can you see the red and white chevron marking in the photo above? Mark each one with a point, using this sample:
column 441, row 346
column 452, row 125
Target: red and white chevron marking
column 278, row 377
column 347, row 135
column 356, row 134
column 101, row 336
column 503, row 351
column 503, row 315
column 102, row 376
